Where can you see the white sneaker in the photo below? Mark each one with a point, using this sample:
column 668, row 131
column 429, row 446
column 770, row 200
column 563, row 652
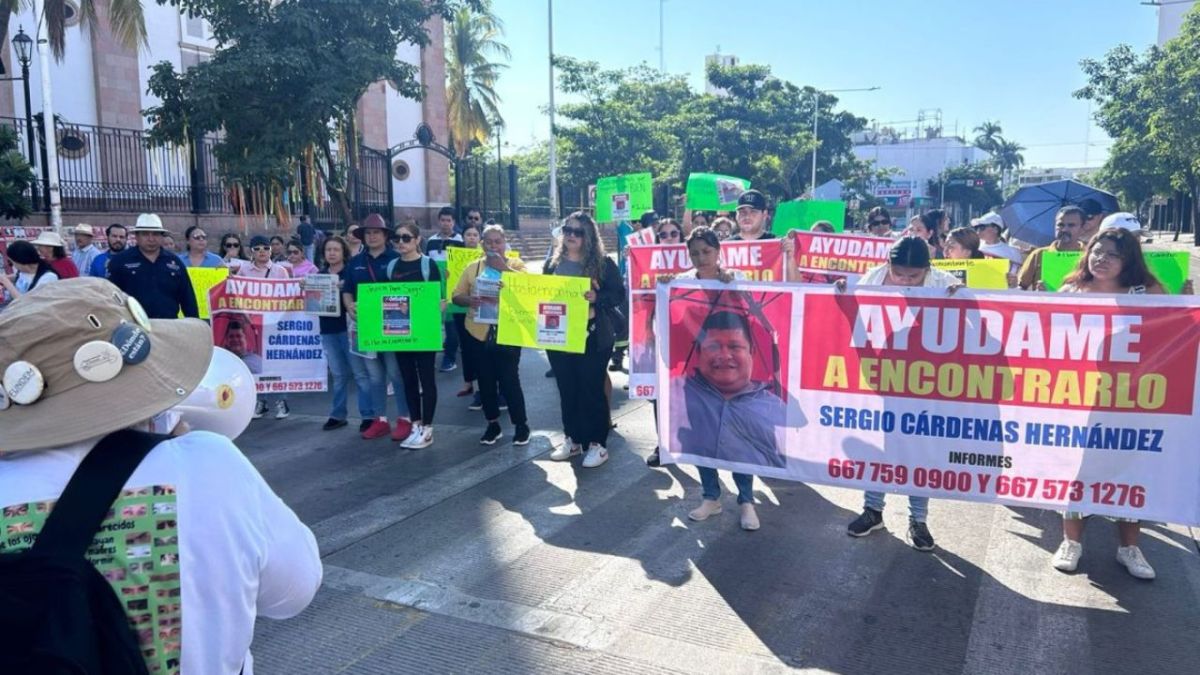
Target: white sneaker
column 1133, row 560
column 596, row 455
column 566, row 451
column 1066, row 558
column 707, row 509
column 260, row 409
column 281, row 409
column 421, row 437
column 749, row 517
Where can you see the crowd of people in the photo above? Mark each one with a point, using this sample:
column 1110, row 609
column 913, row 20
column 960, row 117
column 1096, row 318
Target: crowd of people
column 148, row 279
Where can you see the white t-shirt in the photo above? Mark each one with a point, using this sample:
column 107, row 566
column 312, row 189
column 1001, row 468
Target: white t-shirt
column 934, row 278
column 196, row 547
column 24, row 280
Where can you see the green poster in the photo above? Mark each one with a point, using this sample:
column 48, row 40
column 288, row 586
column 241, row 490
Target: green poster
column 714, row 192
column 800, row 215
column 1169, row 267
column 400, row 317
column 543, row 312
column 624, row 197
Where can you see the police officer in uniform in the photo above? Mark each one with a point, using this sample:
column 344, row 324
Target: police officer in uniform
column 152, row 274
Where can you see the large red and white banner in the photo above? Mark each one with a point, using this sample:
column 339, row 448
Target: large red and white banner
column 760, row 260
column 1076, row 401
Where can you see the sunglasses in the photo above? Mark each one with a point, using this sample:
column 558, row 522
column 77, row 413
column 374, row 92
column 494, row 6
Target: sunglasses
column 669, row 234
column 259, row 248
column 233, row 245
column 294, row 252
column 881, row 222
column 572, row 231
column 199, row 237
column 405, row 238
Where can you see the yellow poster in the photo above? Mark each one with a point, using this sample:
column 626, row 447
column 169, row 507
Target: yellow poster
column 457, row 259
column 543, row 312
column 203, row 279
column 989, row 273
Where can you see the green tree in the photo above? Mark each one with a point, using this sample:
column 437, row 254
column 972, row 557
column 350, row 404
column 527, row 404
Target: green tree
column 126, row 18
column 283, row 87
column 472, row 40
column 15, row 176
column 1174, row 87
column 980, row 198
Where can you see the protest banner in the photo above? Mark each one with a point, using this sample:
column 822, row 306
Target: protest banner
column 543, row 312
column 400, row 317
column 714, row 192
column 624, row 197
column 982, row 273
column 1079, row 402
column 263, row 322
column 640, row 237
column 823, row 258
column 801, row 215
column 203, row 280
column 1169, row 267
column 649, row 266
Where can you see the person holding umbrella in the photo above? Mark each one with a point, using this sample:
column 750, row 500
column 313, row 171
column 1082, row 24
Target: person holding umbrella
column 1068, row 224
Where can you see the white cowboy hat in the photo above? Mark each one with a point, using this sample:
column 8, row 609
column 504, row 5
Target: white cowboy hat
column 84, row 229
column 48, row 238
column 149, row 222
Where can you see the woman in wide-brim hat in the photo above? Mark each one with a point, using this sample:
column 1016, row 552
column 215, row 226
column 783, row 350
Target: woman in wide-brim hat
column 52, row 249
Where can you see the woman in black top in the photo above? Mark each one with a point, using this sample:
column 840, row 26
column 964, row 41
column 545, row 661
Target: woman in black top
column 335, row 339
column 581, row 377
column 416, row 368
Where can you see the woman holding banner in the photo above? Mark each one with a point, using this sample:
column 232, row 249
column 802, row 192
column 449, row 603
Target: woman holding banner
column 581, row 378
column 908, row 265
column 261, row 267
column 1112, row 262
column 704, row 249
column 416, row 368
column 335, row 339
column 498, row 366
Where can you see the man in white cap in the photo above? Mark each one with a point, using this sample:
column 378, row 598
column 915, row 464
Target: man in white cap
column 154, row 276
column 194, row 546
column 85, row 251
column 990, row 229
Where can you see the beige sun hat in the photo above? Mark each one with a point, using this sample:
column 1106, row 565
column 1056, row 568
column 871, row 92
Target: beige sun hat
column 62, row 332
column 48, row 238
column 84, row 229
column 148, row 222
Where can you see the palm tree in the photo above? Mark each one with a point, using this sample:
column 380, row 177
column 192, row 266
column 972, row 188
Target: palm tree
column 126, row 18
column 989, row 137
column 472, row 39
column 1008, row 155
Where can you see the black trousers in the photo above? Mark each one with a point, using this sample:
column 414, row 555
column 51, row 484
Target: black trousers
column 499, row 370
column 580, row 378
column 420, row 388
column 470, row 368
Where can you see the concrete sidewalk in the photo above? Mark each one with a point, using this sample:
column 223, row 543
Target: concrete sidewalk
column 462, row 558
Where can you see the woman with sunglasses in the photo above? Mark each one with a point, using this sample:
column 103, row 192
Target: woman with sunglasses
column 723, row 227
column 581, row 378
column 197, row 253
column 1112, row 262
column 231, row 248
column 261, row 267
column 669, row 232
column 301, row 265
column 335, row 339
column 416, row 368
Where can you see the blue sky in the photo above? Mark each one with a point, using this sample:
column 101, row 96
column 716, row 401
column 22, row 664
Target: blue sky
column 1016, row 61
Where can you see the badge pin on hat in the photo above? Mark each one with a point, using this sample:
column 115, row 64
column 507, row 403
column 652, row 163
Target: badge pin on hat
column 23, row 382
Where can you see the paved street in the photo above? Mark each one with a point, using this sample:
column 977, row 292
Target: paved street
column 460, row 558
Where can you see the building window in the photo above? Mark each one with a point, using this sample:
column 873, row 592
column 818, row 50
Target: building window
column 71, row 14
column 73, row 143
column 195, row 27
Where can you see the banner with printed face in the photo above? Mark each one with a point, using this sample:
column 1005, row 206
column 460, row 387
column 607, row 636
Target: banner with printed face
column 1075, row 401
column 543, row 312
column 823, row 258
column 1169, row 267
column 400, row 317
column 624, row 197
column 760, row 260
column 263, row 322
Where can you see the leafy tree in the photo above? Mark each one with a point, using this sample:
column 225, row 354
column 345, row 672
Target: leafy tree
column 15, row 176
column 126, row 18
column 1174, row 87
column 473, row 38
column 980, row 198
column 284, row 84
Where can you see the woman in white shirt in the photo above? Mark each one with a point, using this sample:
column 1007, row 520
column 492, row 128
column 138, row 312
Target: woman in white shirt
column 32, row 271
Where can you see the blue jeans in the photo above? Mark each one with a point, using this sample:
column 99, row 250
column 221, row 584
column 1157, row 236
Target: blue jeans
column 381, row 370
column 918, row 507
column 711, row 485
column 449, row 344
column 341, row 368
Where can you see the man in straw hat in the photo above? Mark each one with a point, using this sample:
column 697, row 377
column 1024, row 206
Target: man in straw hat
column 153, row 274
column 196, row 532
column 85, row 252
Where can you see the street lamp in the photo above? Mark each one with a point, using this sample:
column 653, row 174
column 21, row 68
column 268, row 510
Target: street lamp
column 816, row 108
column 23, row 44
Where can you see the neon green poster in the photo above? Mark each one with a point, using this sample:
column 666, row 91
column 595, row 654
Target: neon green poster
column 400, row 317
column 714, row 192
column 800, row 215
column 1169, row 267
column 989, row 273
column 543, row 312
column 624, row 197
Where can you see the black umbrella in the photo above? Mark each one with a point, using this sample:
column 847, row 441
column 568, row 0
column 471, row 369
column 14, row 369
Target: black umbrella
column 1029, row 213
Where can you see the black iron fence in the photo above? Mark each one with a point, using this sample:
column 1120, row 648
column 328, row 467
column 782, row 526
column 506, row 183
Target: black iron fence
column 105, row 169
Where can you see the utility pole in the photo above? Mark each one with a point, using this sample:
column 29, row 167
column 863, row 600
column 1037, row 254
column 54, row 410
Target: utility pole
column 51, row 129
column 553, row 158
column 662, row 54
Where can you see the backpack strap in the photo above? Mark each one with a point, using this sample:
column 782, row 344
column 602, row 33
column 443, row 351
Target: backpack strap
column 91, row 491
column 391, row 267
column 425, row 267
